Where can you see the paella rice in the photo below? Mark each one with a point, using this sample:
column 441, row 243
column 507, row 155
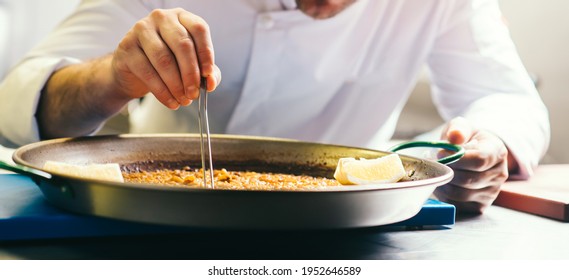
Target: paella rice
column 233, row 180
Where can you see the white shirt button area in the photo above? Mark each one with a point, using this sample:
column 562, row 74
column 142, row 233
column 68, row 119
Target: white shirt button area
column 289, row 4
column 266, row 21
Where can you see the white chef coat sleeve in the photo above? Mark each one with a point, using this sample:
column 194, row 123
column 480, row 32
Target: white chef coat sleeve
column 476, row 73
column 93, row 30
column 20, row 93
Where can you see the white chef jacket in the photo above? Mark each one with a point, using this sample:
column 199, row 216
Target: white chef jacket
column 342, row 80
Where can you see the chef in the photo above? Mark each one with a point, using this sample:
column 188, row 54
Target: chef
column 329, row 71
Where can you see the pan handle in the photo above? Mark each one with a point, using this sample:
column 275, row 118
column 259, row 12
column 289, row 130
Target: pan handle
column 34, row 174
column 459, row 150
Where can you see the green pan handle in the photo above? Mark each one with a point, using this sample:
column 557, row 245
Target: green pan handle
column 459, row 151
column 24, row 170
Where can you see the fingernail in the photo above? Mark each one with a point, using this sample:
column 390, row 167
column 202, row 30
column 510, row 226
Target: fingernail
column 184, row 101
column 192, row 92
column 172, row 104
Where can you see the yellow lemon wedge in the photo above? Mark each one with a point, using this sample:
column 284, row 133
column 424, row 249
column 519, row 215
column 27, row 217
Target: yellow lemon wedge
column 102, row 171
column 386, row 169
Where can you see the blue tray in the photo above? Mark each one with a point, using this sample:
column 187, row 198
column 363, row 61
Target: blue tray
column 25, row 215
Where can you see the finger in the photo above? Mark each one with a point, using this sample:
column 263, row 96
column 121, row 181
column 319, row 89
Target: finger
column 214, row 80
column 482, row 153
column 139, row 65
column 458, row 131
column 182, row 46
column 480, row 179
column 455, row 193
column 201, row 36
column 474, row 160
column 160, row 56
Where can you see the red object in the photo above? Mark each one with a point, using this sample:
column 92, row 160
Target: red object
column 545, row 194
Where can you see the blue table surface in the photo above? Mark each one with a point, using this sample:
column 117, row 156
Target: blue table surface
column 26, row 215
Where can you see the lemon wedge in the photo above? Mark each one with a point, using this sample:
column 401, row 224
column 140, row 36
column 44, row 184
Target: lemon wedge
column 102, row 171
column 386, row 169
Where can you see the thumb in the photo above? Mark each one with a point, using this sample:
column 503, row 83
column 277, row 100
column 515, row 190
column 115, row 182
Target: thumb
column 458, row 131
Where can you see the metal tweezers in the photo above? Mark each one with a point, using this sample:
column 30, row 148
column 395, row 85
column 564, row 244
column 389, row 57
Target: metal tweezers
column 204, row 128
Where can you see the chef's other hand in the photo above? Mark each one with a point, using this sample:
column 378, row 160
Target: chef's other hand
column 478, row 175
column 166, row 53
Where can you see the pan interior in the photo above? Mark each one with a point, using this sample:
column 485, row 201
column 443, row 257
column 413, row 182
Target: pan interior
column 237, row 153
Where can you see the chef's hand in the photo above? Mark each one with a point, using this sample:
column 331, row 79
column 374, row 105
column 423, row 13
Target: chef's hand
column 166, row 53
column 478, row 175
